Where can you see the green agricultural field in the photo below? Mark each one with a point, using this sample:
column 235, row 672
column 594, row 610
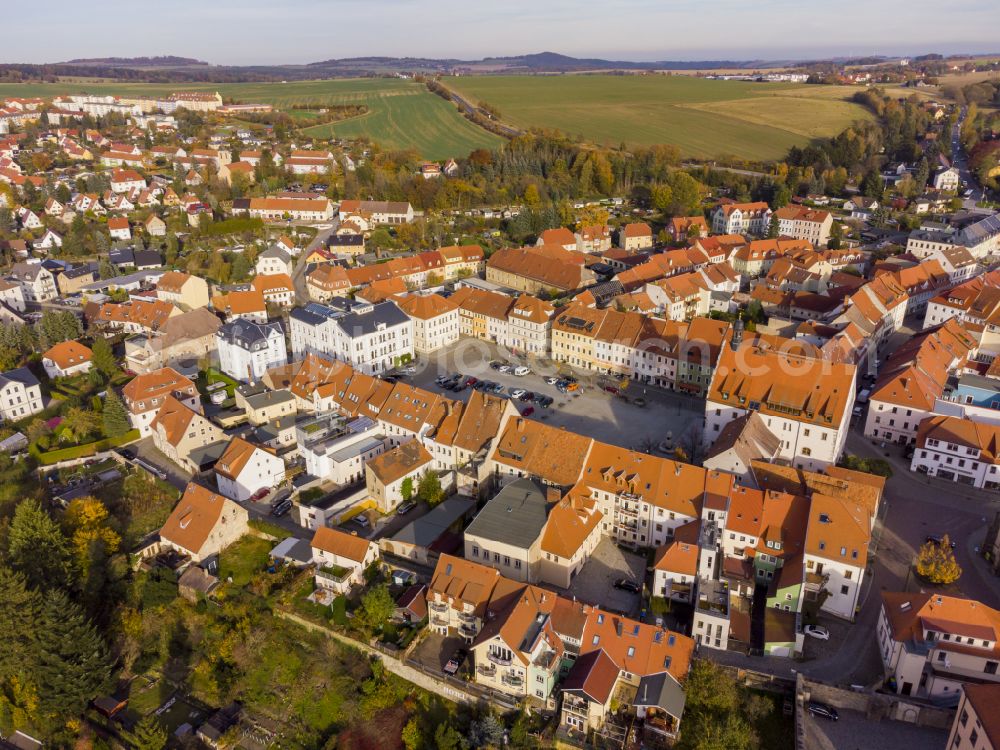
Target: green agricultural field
column 703, row 118
column 401, row 114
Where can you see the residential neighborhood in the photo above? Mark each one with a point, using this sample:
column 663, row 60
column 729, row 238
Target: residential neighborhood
column 563, row 463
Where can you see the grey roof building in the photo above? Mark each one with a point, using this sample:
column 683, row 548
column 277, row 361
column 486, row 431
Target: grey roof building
column 507, row 533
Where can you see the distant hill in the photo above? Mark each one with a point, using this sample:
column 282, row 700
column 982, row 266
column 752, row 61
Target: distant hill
column 163, row 61
column 541, row 62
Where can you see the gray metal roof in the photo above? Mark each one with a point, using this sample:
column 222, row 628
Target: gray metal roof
column 661, row 690
column 424, row 531
column 19, row 375
column 249, row 335
column 515, row 515
column 982, row 230
column 386, row 314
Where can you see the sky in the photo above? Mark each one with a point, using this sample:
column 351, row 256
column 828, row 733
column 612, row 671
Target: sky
column 246, row 32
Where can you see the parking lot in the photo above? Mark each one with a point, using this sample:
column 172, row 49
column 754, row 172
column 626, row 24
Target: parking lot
column 594, row 584
column 590, row 410
column 853, row 731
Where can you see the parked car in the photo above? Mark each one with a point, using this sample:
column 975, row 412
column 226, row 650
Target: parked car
column 455, row 662
column 405, row 508
column 408, row 370
column 362, row 521
column 497, row 388
column 260, row 494
column 938, row 540
column 281, row 508
column 624, row 584
column 551, row 380
column 527, row 396
column 817, row 631
column 521, row 370
column 544, row 401
column 504, row 368
column 127, row 453
column 528, row 412
column 517, row 392
column 822, row 710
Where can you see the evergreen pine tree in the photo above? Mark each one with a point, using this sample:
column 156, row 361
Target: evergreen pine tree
column 103, row 359
column 115, row 416
column 37, row 548
column 18, row 615
column 148, row 734
column 73, row 660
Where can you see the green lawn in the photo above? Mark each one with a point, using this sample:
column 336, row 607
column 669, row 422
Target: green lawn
column 402, row 114
column 243, row 559
column 704, row 118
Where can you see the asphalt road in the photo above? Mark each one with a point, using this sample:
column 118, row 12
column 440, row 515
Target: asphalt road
column 299, row 274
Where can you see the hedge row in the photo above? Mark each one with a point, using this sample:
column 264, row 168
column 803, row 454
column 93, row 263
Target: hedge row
column 79, row 451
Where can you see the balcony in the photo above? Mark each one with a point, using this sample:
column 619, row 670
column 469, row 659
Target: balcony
column 484, row 670
column 441, row 622
column 575, row 705
column 624, row 509
column 469, row 631
column 512, row 680
column 815, row 582
column 439, row 607
column 628, row 525
column 467, row 617
column 497, row 659
column 335, row 575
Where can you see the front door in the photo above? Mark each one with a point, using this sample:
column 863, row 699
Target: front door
column 907, row 688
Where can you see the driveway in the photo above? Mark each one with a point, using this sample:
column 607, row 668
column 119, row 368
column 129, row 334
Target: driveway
column 176, row 476
column 594, row 584
column 589, row 411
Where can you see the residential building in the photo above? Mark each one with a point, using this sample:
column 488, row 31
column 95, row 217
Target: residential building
column 370, row 338
column 958, row 449
column 529, row 326
column 635, row 236
column 337, row 449
column 933, row 644
column 386, row 474
column 341, row 559
column 248, row 349
column 202, row 524
column 36, row 281
column 507, row 533
column 182, row 289
column 277, row 289
column 273, row 261
column 249, row 305
column 145, row 394
column 947, row 179
column 378, row 212
column 298, row 209
column 186, row 437
column 66, row 359
column 327, row 281
column 913, row 379
column 20, row 394
column 179, row 341
column 741, row 218
column 539, row 269
column 801, row 223
column 806, row 403
column 976, row 725
column 245, row 468
column 435, row 321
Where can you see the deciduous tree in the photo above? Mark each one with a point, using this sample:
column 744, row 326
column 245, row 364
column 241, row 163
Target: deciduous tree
column 936, row 562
